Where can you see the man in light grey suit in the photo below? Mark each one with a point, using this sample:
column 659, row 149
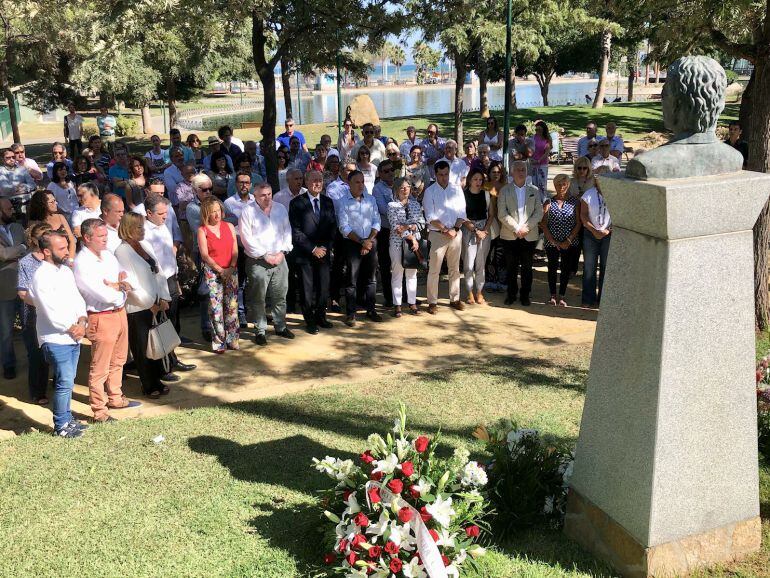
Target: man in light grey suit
column 519, row 210
column 12, row 248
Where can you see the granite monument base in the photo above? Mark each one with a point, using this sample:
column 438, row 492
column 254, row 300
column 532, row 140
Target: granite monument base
column 666, row 460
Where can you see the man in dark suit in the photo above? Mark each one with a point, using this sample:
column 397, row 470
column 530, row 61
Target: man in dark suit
column 313, row 226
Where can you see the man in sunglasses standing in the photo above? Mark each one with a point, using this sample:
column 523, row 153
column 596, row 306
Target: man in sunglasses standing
column 432, row 148
column 376, row 148
column 285, row 137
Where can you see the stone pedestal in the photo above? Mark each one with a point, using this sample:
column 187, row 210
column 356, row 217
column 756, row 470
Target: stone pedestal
column 666, row 475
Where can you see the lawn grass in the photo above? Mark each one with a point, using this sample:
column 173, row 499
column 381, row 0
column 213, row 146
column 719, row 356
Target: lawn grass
column 230, row 491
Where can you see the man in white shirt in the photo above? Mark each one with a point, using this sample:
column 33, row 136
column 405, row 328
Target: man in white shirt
column 411, row 140
column 233, row 210
column 14, row 177
column 326, row 141
column 112, row 212
column 73, row 129
column 589, row 136
column 157, row 233
column 171, row 221
column 519, row 210
column 293, row 189
column 172, row 176
column 30, row 164
column 103, row 286
column 359, row 222
column 605, row 162
column 266, row 236
column 90, row 206
column 444, row 207
column 617, row 146
column 458, row 169
column 61, row 324
column 376, row 148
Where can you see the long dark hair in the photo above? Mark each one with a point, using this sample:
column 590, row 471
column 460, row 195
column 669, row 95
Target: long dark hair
column 472, row 173
column 546, row 134
column 38, row 205
column 215, row 157
column 55, row 172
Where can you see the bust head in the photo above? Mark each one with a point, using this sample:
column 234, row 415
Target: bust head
column 693, row 95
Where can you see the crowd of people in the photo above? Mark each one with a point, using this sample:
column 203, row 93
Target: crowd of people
column 92, row 247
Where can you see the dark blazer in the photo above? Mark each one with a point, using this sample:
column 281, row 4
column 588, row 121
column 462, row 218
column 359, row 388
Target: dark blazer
column 309, row 231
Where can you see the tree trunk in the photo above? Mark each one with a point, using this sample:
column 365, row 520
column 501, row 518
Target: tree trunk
column 483, row 75
column 286, row 82
column 744, row 116
column 657, row 72
column 759, row 160
column 459, row 93
column 7, row 92
column 544, row 81
column 512, row 96
column 265, row 68
column 606, row 46
column 146, row 120
column 633, row 57
column 173, row 115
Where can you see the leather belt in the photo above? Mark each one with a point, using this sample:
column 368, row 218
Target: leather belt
column 119, row 309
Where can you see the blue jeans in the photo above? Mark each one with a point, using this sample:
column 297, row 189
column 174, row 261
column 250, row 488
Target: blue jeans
column 7, row 317
column 594, row 251
column 64, row 361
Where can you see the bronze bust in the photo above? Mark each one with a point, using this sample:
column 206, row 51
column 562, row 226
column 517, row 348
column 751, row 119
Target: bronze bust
column 692, row 100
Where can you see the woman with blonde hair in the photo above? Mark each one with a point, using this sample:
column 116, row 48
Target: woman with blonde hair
column 149, row 296
column 561, row 228
column 218, row 248
column 582, row 177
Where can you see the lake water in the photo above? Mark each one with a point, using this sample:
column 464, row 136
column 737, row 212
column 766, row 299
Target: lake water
column 317, row 108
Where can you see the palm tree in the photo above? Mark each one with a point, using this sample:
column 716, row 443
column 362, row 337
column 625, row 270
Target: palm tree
column 397, row 57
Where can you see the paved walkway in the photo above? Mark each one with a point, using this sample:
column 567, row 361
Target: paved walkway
column 339, row 355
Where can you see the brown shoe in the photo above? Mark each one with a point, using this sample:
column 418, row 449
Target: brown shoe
column 432, row 308
column 397, row 311
column 480, row 299
column 459, row 305
column 470, row 300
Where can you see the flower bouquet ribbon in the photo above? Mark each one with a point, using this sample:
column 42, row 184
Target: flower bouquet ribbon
column 426, row 546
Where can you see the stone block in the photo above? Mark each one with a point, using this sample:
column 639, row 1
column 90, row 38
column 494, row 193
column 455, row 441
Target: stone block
column 362, row 110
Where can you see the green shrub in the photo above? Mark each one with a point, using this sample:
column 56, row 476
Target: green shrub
column 126, row 126
column 88, row 131
column 528, row 478
column 732, row 76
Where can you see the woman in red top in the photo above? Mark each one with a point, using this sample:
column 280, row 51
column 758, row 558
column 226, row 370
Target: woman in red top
column 219, row 252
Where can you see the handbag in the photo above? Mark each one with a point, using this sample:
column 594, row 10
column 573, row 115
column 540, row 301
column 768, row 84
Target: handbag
column 411, row 259
column 162, row 339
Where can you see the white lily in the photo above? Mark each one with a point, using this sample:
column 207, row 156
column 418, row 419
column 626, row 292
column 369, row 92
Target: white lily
column 386, row 466
column 452, row 571
column 345, row 530
column 402, row 447
column 379, row 527
column 378, row 445
column 445, row 538
column 461, row 556
column 548, row 505
column 441, row 510
column 353, row 507
column 400, row 535
column 380, row 573
column 397, row 425
column 353, row 573
column 413, row 569
column 423, row 486
column 477, row 551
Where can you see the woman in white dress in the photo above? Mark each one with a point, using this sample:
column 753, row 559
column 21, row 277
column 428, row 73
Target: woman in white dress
column 493, row 136
column 347, row 140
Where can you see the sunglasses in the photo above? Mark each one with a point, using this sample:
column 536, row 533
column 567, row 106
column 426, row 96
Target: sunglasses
column 205, row 189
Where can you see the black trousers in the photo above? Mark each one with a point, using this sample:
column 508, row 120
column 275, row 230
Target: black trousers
column 383, row 259
column 339, row 259
column 314, row 289
column 292, row 295
column 363, row 269
column 518, row 254
column 150, row 370
column 560, row 260
column 173, row 312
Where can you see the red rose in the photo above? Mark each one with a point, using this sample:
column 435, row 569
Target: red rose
column 472, row 531
column 367, row 457
column 375, row 552
column 426, row 517
column 414, row 492
column 330, row 558
column 407, row 468
column 352, row 558
column 376, row 476
column 396, row 486
column 346, row 495
column 404, row 515
column 434, row 535
column 395, row 565
column 445, row 560
column 358, row 539
column 421, row 444
column 343, row 545
column 361, row 520
column 391, row 548
column 374, row 495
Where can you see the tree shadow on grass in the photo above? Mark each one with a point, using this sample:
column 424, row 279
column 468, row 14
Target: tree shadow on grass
column 285, row 462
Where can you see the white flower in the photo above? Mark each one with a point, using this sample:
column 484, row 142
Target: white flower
column 353, row 507
column 379, row 527
column 340, row 470
column 548, row 506
column 345, row 530
column 452, row 571
column 476, row 551
column 441, row 510
column 445, row 538
column 473, row 475
column 402, row 447
column 567, row 473
column 378, row 445
column 397, row 425
column 386, row 466
column 413, row 569
column 461, row 455
column 400, row 535
column 423, row 486
column 380, row 573
column 353, row 573
column 515, row 437
column 461, row 556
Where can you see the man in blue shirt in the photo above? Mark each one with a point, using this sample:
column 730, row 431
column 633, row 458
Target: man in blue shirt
column 285, row 137
column 359, row 223
column 589, row 136
column 58, row 155
column 118, row 172
column 176, row 142
column 106, row 124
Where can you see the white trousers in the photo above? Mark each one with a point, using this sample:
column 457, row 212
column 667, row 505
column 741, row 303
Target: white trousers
column 475, row 260
column 397, row 273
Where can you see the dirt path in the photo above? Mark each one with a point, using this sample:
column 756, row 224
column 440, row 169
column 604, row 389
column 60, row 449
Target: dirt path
column 339, row 355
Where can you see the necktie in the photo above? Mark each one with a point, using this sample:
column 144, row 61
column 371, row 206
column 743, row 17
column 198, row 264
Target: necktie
column 316, row 209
